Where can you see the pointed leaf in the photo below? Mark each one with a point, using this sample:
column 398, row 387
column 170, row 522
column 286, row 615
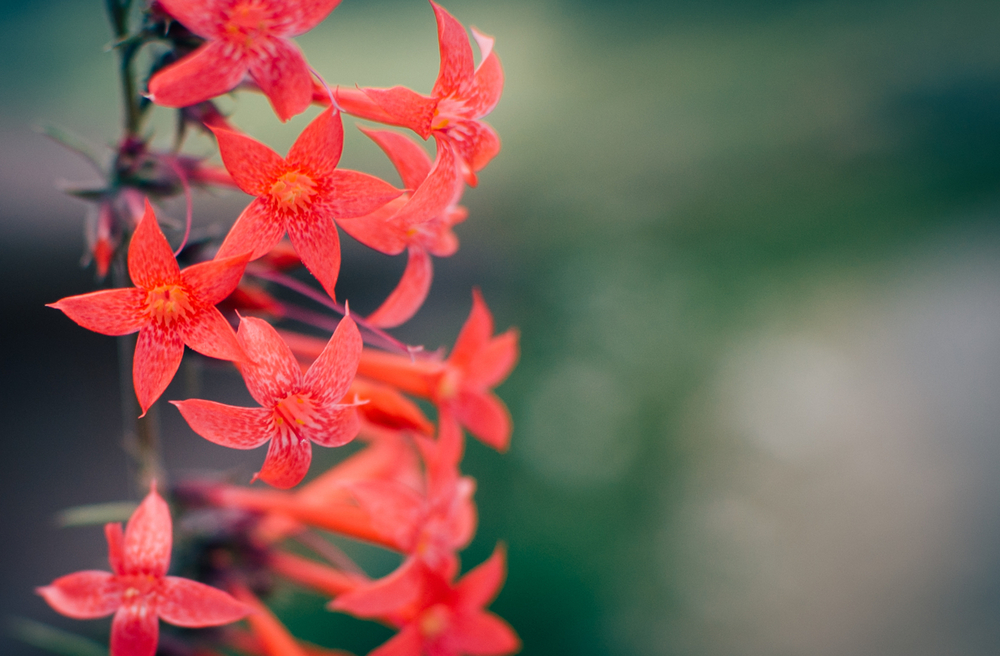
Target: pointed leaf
column 148, row 538
column 485, row 416
column 135, row 630
column 270, row 370
column 287, row 460
column 210, row 71
column 331, row 374
column 316, row 241
column 84, row 595
column 409, row 294
column 109, row 312
column 319, row 146
column 405, row 154
column 456, row 54
column 253, row 165
column 282, row 73
column 188, row 603
column 151, row 261
column 212, row 281
column 227, row 425
column 210, row 334
column 257, row 230
column 158, row 354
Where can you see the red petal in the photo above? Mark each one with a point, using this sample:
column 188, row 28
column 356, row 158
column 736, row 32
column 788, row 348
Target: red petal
column 109, row 312
column 270, row 371
column 395, row 509
column 199, row 16
column 236, row 428
column 377, row 230
column 476, row 144
column 403, row 107
column 116, row 546
column 210, row 334
column 331, row 374
column 405, row 643
column 409, row 294
column 158, row 354
column 188, row 603
column 475, row 334
column 405, row 154
column 274, row 638
column 316, row 241
column 282, row 73
column 490, row 366
column 386, row 595
column 483, row 634
column 485, row 146
column 257, row 230
column 151, row 261
column 456, row 54
column 253, row 165
column 487, row 86
column 216, row 279
column 210, row 71
column 439, row 190
column 148, row 537
column 319, row 146
column 333, row 427
column 357, row 103
column 135, row 629
column 354, row 194
column 387, row 407
column 287, row 461
column 84, row 595
column 302, row 16
column 479, row 587
column 485, row 416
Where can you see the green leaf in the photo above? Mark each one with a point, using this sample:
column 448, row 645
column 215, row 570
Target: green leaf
column 52, row 639
column 98, row 513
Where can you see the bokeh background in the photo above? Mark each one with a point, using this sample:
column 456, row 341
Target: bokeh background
column 752, row 248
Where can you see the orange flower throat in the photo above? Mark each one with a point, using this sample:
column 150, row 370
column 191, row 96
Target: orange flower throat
column 293, row 191
column 168, row 303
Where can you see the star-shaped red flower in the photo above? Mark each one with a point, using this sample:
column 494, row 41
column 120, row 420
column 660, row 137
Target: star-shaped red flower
column 242, row 36
column 169, row 308
column 137, row 590
column 297, row 409
column 301, row 195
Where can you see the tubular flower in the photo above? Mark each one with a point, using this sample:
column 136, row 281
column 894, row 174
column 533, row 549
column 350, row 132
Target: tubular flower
column 461, row 385
column 301, row 195
column 169, row 308
column 297, row 408
column 242, row 36
column 436, row 617
column 420, row 223
column 462, row 94
column 137, row 590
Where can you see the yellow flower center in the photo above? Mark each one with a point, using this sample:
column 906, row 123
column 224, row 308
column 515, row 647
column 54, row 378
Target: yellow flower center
column 293, row 191
column 247, row 21
column 434, row 620
column 168, row 303
column 451, row 381
column 292, row 411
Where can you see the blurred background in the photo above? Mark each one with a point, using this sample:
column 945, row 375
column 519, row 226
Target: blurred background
column 752, row 248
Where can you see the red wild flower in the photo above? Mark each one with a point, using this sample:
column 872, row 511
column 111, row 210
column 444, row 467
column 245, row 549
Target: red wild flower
column 462, row 94
column 242, row 36
column 297, row 409
column 420, row 223
column 301, row 195
column 438, row 618
column 169, row 308
column 462, row 383
column 137, row 590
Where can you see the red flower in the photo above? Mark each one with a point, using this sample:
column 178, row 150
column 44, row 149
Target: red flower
column 462, row 383
column 436, row 617
column 300, row 195
column 297, row 409
column 169, row 308
column 461, row 96
column 242, row 36
column 419, row 223
column 137, row 590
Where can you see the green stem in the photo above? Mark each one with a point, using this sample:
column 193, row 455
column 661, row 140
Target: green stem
column 118, row 12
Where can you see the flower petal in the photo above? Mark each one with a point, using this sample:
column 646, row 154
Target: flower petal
column 480, row 585
column 253, row 165
column 210, row 71
column 188, row 603
column 490, row 366
column 456, row 54
column 440, row 189
column 331, row 374
column 485, row 416
column 319, row 146
column 487, row 86
column 396, row 509
column 409, row 294
column 109, row 312
column 287, row 461
column 135, row 631
column 116, row 546
column 84, row 595
column 333, row 426
column 406, row 155
column 377, row 229
column 199, row 16
column 270, row 370
column 386, row 595
column 354, row 194
column 282, row 73
column 227, row 425
column 405, row 643
column 315, row 239
column 398, row 106
column 210, row 334
column 304, row 15
column 257, row 230
column 151, row 261
column 475, row 334
column 483, row 634
column 216, row 279
column 158, row 354
column 148, row 537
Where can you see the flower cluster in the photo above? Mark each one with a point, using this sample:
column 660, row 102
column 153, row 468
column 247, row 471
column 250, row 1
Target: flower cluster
column 404, row 489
